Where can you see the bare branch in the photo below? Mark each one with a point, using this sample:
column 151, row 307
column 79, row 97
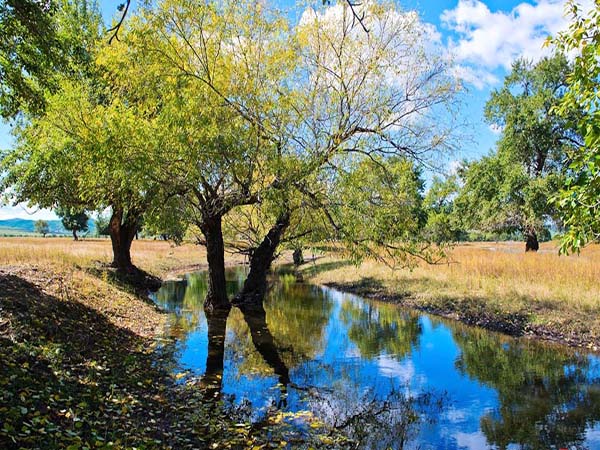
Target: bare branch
column 115, row 30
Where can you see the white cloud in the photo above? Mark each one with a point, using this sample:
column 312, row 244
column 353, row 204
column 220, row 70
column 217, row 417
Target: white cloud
column 22, row 211
column 390, row 367
column 496, row 129
column 471, row 441
column 487, row 41
column 478, row 77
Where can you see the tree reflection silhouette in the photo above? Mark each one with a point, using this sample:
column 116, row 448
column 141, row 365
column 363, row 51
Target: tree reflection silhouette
column 212, row 380
column 546, row 396
column 382, row 327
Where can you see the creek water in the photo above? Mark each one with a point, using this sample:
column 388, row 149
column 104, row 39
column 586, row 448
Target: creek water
column 387, row 377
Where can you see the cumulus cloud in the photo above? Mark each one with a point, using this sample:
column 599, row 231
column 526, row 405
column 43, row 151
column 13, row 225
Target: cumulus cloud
column 486, row 41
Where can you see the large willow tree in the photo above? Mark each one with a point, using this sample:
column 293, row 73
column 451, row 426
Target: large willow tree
column 205, row 108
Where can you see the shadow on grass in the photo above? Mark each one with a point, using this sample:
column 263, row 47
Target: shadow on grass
column 310, row 269
column 138, row 282
column 68, row 376
column 371, row 288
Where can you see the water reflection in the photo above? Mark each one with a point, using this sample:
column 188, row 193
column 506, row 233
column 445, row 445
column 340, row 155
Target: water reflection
column 212, row 379
column 265, row 345
column 546, row 396
column 386, row 377
column 381, row 328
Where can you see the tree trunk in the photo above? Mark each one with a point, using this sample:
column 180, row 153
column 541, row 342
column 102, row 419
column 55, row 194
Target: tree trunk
column 75, row 238
column 255, row 286
column 122, row 233
column 298, row 257
column 216, row 297
column 531, row 243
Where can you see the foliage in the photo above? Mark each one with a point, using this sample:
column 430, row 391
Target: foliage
column 376, row 209
column 38, row 41
column 500, row 196
column 101, row 223
column 443, row 223
column 42, row 227
column 578, row 200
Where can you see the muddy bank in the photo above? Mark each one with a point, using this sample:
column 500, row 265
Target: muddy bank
column 473, row 311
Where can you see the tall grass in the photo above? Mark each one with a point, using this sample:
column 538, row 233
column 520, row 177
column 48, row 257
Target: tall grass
column 552, row 288
column 153, row 256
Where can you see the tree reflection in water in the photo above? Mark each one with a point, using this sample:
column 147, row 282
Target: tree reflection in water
column 381, row 328
column 547, row 399
column 212, row 380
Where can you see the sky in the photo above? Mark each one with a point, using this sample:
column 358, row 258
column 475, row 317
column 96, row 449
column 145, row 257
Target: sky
column 484, row 37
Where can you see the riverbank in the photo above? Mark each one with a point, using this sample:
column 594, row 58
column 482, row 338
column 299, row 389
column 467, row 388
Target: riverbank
column 496, row 286
column 82, row 360
column 83, row 364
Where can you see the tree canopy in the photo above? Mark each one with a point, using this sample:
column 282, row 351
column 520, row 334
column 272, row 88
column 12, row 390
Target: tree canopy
column 578, row 199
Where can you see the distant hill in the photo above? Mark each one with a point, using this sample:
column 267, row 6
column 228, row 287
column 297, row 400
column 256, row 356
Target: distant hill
column 27, row 226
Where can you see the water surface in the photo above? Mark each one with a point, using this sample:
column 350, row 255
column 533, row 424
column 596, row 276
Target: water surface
column 389, row 378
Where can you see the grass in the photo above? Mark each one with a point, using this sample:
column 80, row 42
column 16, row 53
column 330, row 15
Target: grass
column 557, row 297
column 156, row 257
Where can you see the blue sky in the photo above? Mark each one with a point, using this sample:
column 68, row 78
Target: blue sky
column 484, row 36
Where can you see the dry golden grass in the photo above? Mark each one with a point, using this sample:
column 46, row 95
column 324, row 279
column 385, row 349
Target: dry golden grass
column 157, row 257
column 559, row 291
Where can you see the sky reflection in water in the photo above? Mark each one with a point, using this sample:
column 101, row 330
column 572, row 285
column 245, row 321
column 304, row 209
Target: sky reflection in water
column 388, row 377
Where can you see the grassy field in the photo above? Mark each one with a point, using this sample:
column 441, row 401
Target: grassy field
column 495, row 285
column 156, row 257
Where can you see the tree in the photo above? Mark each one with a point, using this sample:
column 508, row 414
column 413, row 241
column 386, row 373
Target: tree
column 443, row 223
column 509, row 189
column 578, row 198
column 364, row 101
column 90, row 152
column 73, row 220
column 101, row 225
column 42, row 227
column 39, row 41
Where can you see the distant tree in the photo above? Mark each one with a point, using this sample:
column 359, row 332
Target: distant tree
column 443, row 224
column 509, row 190
column 42, row 227
column 578, row 199
column 101, row 224
column 73, row 219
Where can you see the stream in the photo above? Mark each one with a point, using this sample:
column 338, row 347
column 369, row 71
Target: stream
column 384, row 376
